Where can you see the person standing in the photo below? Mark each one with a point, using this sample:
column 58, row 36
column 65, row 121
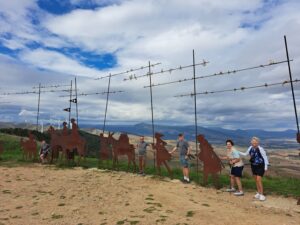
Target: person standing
column 184, row 152
column 237, row 166
column 44, row 150
column 142, row 151
column 259, row 165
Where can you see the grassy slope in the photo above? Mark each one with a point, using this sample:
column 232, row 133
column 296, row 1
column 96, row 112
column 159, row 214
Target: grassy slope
column 12, row 156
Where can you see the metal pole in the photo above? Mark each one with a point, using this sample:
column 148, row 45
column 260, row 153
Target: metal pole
column 195, row 108
column 38, row 110
column 106, row 106
column 76, row 101
column 152, row 117
column 291, row 82
column 70, row 107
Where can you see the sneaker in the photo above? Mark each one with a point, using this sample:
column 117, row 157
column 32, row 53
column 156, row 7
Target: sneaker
column 262, row 198
column 257, row 196
column 183, row 181
column 230, row 190
column 238, row 193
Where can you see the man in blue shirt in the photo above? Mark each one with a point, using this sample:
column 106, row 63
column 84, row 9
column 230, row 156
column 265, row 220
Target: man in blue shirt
column 184, row 151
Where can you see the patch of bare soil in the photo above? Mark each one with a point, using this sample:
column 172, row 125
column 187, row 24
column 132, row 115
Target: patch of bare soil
column 45, row 195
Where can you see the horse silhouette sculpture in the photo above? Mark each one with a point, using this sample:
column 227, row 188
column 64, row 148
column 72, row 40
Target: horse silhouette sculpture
column 29, row 147
column 162, row 154
column 68, row 142
column 1, row 149
column 212, row 165
column 122, row 147
column 104, row 152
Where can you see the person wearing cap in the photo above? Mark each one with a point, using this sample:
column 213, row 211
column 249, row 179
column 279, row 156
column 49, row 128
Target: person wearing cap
column 142, row 152
column 237, row 166
column 259, row 165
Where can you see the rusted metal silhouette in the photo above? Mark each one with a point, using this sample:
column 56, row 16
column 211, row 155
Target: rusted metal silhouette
column 68, row 142
column 65, row 130
column 162, row 154
column 212, row 165
column 122, row 147
column 29, row 147
column 1, row 149
column 298, row 140
column 104, row 152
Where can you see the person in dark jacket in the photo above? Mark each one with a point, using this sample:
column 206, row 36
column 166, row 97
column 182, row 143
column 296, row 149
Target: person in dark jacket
column 259, row 165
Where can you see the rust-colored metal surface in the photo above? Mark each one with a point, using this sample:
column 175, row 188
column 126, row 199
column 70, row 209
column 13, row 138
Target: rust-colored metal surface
column 104, row 151
column 162, row 154
column 68, row 142
column 29, row 147
column 212, row 165
column 122, row 147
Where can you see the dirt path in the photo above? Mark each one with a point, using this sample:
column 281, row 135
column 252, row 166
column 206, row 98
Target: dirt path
column 45, row 195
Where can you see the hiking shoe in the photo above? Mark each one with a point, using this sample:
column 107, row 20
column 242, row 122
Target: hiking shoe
column 238, row 193
column 184, row 181
column 262, row 198
column 257, row 196
column 230, row 190
column 187, row 181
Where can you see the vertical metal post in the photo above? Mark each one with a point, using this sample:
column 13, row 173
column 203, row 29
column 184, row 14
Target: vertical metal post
column 291, row 82
column 76, row 102
column 38, row 110
column 195, row 108
column 70, row 106
column 152, row 117
column 106, row 106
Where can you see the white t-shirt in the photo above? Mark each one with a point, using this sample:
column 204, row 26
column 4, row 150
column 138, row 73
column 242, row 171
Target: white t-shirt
column 234, row 154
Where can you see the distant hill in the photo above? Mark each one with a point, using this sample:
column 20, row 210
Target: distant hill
column 271, row 139
column 93, row 144
column 215, row 135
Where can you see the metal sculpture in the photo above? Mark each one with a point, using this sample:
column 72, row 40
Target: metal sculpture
column 162, row 154
column 122, row 147
column 68, row 142
column 29, row 147
column 104, row 152
column 211, row 162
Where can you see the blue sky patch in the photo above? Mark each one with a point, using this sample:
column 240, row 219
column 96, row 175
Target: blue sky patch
column 89, row 59
column 59, row 7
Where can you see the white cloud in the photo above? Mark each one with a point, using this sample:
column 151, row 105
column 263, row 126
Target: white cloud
column 166, row 31
column 25, row 112
column 52, row 60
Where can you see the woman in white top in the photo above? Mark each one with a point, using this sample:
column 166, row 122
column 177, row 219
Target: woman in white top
column 237, row 166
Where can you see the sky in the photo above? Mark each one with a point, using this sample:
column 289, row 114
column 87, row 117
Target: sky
column 53, row 41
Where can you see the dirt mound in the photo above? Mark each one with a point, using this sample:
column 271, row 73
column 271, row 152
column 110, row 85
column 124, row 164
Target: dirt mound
column 46, row 195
